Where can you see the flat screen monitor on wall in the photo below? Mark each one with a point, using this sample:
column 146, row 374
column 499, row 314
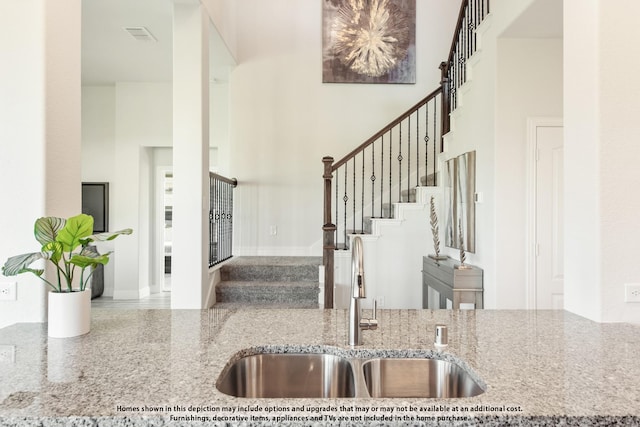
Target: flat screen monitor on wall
column 95, row 202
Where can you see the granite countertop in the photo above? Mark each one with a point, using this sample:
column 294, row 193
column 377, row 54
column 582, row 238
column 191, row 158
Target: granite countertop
column 141, row 367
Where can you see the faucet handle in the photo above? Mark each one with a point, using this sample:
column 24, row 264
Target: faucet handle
column 373, row 322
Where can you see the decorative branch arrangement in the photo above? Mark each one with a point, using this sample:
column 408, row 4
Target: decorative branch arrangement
column 463, row 254
column 434, row 232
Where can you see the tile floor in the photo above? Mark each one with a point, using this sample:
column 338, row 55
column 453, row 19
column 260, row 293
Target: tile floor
column 159, row 300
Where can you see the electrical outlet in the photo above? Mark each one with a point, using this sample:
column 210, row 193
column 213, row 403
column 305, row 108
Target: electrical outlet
column 7, row 291
column 380, row 300
column 7, row 353
column 632, row 292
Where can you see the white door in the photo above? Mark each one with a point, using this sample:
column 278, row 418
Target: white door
column 549, row 218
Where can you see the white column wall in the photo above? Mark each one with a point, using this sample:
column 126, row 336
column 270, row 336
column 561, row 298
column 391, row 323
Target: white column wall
column 39, row 133
column 62, row 107
column 190, row 156
column 620, row 152
column 583, row 277
column 601, row 173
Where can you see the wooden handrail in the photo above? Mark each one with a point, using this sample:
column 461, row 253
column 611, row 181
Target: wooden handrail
column 386, row 129
column 456, row 32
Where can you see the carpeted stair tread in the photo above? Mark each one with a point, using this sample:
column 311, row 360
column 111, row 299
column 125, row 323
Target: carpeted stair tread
column 272, row 269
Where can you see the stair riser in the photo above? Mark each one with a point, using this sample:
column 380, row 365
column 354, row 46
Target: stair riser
column 266, row 295
column 303, row 273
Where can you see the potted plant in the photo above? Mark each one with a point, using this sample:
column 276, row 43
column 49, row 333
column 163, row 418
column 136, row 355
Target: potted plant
column 64, row 243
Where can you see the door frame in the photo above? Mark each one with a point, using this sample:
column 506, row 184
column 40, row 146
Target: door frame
column 533, row 123
column 159, row 231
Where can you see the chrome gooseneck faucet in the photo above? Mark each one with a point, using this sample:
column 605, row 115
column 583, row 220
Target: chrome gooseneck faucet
column 356, row 323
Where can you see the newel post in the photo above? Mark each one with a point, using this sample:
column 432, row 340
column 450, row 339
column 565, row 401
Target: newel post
column 328, row 238
column 444, row 83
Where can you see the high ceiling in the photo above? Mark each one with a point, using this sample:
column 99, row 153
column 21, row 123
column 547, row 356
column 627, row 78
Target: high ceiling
column 110, row 54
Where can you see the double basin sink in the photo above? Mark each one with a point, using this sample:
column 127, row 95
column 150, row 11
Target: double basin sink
column 320, row 375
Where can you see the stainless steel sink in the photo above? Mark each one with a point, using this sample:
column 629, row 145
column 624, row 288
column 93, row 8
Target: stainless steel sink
column 289, row 376
column 422, row 378
column 286, row 375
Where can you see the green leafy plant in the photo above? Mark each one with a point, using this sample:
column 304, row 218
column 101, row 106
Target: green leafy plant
column 64, row 243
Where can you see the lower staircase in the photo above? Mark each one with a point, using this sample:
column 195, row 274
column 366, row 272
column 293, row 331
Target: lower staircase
column 269, row 282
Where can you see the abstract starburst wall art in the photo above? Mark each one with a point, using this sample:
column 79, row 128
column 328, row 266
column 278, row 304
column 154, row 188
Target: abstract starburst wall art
column 369, row 41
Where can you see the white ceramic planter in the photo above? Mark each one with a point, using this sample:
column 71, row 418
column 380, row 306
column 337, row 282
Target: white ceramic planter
column 69, row 313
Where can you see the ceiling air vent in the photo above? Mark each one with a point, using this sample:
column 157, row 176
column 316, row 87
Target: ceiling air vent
column 140, row 34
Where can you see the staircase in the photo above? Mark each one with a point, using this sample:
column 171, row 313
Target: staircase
column 269, row 282
column 368, row 186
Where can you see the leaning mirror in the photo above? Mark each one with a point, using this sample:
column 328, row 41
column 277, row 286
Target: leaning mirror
column 460, row 189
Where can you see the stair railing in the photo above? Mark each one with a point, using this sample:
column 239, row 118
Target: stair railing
column 381, row 171
column 220, row 218
column 463, row 46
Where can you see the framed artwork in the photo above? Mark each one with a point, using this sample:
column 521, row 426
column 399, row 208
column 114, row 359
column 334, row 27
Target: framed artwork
column 369, row 41
column 95, row 202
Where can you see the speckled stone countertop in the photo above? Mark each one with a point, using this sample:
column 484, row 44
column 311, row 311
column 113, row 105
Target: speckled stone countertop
column 159, row 367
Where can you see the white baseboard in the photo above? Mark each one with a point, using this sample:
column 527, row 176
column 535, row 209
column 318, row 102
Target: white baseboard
column 133, row 294
column 278, row 251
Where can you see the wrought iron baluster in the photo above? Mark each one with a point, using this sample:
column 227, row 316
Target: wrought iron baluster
column 409, row 156
column 212, row 224
column 400, row 164
column 435, row 130
column 362, row 195
column 390, row 168
column 345, row 199
column 467, row 20
column 418, row 146
column 353, row 203
column 227, row 219
column 337, row 183
column 426, row 145
column 472, row 28
column 382, row 178
column 461, row 58
column 373, row 177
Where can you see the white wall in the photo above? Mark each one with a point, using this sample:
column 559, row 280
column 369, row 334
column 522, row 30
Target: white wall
column 223, row 16
column 601, row 173
column 40, row 133
column 98, row 152
column 528, row 84
column 22, row 149
column 284, row 119
column 620, row 151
